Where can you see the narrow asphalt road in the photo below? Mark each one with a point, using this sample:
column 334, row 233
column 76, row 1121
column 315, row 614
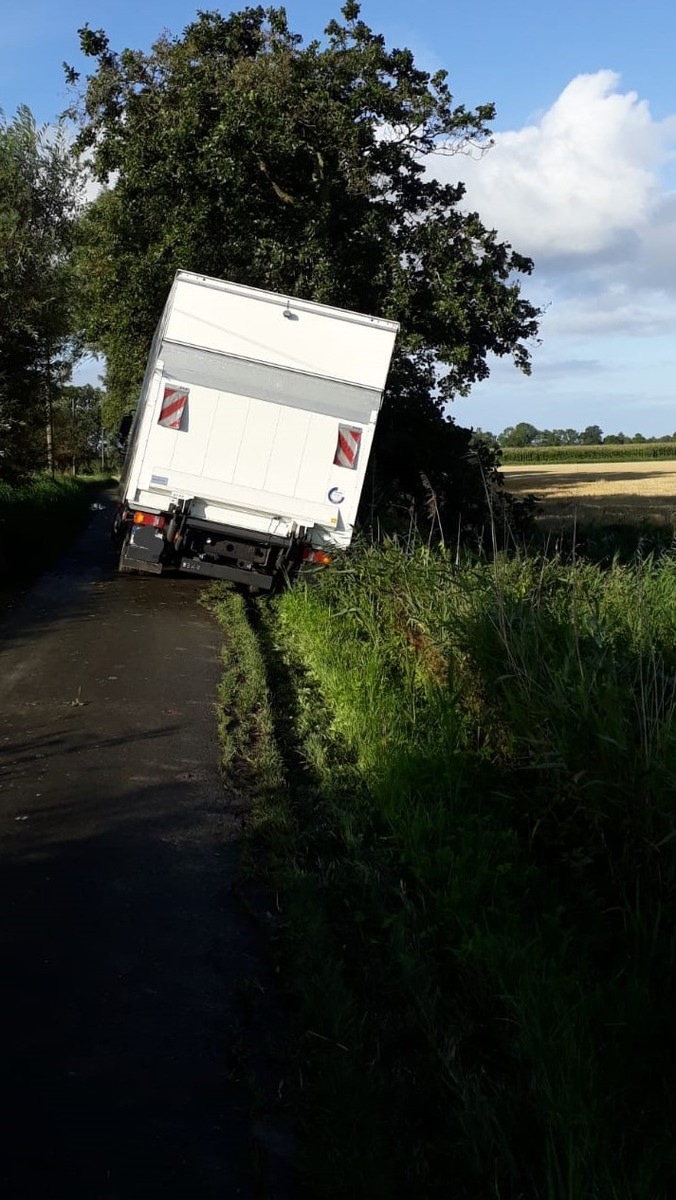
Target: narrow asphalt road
column 122, row 949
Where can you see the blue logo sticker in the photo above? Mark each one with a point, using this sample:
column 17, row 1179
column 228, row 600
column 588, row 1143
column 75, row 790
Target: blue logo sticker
column 336, row 496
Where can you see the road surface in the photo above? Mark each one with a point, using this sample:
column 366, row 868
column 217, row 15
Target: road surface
column 123, row 950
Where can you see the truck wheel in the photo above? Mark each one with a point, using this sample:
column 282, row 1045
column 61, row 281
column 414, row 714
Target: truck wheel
column 117, row 529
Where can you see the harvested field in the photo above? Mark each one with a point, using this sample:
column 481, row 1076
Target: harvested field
column 610, row 492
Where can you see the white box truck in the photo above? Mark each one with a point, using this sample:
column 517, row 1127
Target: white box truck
column 248, row 450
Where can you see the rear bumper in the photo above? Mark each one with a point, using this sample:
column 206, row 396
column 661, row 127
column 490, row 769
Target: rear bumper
column 196, row 547
column 211, row 570
column 226, row 552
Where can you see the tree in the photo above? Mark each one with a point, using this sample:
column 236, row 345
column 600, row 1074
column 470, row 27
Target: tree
column 591, row 436
column 77, row 427
column 484, row 437
column 523, row 434
column 38, row 202
column 237, row 151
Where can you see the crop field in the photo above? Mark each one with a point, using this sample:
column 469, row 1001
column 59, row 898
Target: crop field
column 607, row 452
column 610, row 492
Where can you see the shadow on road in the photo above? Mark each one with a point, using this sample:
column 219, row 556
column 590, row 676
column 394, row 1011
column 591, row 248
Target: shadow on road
column 120, row 1021
column 128, row 967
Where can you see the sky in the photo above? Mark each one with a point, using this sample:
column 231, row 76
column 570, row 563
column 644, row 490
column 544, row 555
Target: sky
column 581, row 175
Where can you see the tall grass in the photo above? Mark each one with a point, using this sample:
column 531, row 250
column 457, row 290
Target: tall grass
column 481, row 878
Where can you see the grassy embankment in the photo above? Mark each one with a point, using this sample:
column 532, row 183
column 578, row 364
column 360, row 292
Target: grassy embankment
column 626, row 452
column 38, row 520
column 464, row 795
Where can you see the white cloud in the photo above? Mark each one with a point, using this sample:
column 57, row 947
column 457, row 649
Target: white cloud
column 585, row 189
column 611, row 314
column 577, row 182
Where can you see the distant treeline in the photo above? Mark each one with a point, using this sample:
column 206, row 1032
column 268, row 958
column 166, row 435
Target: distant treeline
column 526, row 435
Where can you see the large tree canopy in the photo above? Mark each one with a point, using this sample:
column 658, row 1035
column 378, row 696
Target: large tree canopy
column 237, row 151
column 38, row 206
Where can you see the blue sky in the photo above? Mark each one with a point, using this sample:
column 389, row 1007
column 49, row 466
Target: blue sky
column 582, row 175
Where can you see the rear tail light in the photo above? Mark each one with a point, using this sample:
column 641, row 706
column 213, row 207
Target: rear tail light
column 146, row 518
column 316, row 556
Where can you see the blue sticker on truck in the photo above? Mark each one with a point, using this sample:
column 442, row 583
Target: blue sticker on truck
column 159, row 480
column 336, row 496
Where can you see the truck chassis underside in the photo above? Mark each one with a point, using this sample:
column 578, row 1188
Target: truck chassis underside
column 176, row 541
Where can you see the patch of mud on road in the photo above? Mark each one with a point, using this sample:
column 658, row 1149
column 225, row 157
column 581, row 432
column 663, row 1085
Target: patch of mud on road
column 123, row 950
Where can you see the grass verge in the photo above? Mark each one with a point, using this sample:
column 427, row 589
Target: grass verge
column 466, row 809
column 38, row 520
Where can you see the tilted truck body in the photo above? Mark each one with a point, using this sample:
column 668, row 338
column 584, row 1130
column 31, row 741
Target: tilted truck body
column 250, row 443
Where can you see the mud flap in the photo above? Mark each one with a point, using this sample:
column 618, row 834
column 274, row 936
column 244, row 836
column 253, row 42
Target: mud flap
column 142, row 550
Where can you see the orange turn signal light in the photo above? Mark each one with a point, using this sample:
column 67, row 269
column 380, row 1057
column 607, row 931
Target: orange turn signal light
column 316, row 556
column 145, row 518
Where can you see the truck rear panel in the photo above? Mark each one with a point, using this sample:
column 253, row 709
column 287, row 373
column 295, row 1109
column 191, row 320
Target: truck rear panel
column 258, row 411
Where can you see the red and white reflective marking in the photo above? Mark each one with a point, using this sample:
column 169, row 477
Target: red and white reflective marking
column 348, row 446
column 173, row 403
